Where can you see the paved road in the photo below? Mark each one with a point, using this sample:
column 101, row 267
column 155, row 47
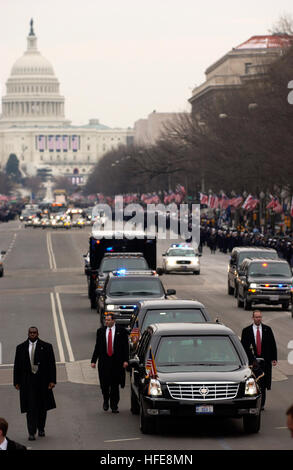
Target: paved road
column 44, row 285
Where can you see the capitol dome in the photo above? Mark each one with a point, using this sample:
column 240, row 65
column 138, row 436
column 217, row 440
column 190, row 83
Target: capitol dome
column 32, row 63
column 32, row 91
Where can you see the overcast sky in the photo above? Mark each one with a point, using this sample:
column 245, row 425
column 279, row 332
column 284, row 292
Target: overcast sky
column 118, row 60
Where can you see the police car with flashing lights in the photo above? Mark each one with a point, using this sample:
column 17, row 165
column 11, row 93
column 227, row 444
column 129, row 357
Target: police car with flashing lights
column 181, row 258
column 123, row 290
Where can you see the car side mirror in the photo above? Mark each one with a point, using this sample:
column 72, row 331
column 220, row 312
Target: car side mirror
column 171, row 292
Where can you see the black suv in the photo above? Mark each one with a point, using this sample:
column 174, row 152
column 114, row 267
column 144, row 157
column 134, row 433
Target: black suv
column 238, row 254
column 164, row 311
column 264, row 281
column 123, row 290
column 201, row 369
column 113, row 262
column 120, row 261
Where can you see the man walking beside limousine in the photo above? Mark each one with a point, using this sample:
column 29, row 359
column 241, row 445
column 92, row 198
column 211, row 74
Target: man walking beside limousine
column 259, row 342
column 112, row 352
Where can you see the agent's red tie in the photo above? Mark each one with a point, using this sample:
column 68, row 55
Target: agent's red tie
column 110, row 349
column 258, row 342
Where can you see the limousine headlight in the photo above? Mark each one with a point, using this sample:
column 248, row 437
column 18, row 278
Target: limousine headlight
column 250, row 387
column 154, row 388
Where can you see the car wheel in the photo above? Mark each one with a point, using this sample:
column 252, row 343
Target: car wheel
column 146, row 424
column 285, row 305
column 246, row 304
column 196, row 272
column 251, row 424
column 134, row 405
column 230, row 289
column 239, row 301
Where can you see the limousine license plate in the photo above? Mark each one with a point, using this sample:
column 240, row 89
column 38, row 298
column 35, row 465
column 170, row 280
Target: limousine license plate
column 204, row 409
column 274, row 297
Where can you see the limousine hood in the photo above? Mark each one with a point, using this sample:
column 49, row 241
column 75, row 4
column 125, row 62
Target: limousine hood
column 167, row 374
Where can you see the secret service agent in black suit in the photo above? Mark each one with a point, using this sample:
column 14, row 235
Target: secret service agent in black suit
column 111, row 367
column 5, row 442
column 35, row 377
column 268, row 349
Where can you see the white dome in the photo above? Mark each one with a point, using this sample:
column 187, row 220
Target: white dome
column 32, row 90
column 32, row 63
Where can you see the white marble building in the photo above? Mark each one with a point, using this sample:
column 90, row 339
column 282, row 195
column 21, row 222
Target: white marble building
column 34, row 128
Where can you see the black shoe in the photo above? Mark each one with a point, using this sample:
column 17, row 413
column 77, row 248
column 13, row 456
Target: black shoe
column 115, row 410
column 31, row 437
column 42, row 433
column 105, row 406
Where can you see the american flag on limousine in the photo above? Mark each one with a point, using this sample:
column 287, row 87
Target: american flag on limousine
column 151, row 365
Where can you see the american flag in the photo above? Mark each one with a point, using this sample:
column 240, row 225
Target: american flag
column 224, row 202
column 41, row 143
column 250, row 203
column 204, row 198
column 151, row 365
column 278, row 208
column 274, row 204
column 213, row 201
column 236, row 201
column 180, row 189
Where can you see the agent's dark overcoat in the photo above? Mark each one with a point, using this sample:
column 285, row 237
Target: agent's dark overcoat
column 116, row 374
column 268, row 349
column 45, row 359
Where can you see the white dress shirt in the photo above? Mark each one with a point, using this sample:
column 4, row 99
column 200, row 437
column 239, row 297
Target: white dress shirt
column 3, row 446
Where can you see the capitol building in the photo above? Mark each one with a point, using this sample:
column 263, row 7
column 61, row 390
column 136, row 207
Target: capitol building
column 34, row 128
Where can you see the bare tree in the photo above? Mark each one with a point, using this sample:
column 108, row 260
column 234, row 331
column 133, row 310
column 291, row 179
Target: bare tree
column 284, row 25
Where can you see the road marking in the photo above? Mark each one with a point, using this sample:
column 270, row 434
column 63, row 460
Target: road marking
column 121, row 440
column 10, row 246
column 65, row 331
column 52, row 261
column 57, row 330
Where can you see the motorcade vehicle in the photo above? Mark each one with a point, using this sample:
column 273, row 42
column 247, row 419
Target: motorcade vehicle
column 67, row 223
column 110, row 241
column 3, row 252
column 164, row 311
column 123, row 290
column 181, row 257
column 119, row 261
column 264, row 281
column 192, row 370
column 238, row 254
